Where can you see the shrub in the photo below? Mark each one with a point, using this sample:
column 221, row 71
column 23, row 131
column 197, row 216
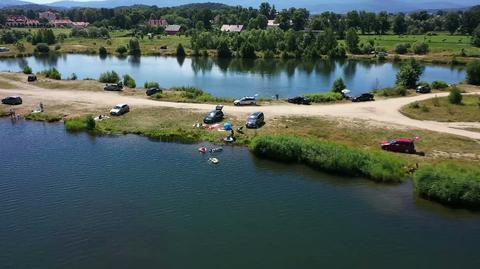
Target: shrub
column 414, row 105
column 247, row 50
column 409, row 74
column 473, row 72
column 420, row 48
column 193, row 94
column 338, row 85
column 121, row 50
column 102, row 51
column 424, row 108
column 394, row 91
column 223, row 50
column 27, row 70
column 80, row 124
column 438, row 84
column 42, row 48
column 58, row 47
column 402, row 48
column 151, row 84
column 134, row 47
column 455, row 97
column 109, row 77
column 324, row 97
column 180, row 50
column 73, row 76
column 476, row 37
column 331, row 157
column 129, row 81
column 52, row 73
column 449, row 183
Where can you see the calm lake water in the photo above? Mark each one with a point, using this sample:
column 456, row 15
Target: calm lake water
column 236, row 77
column 76, row 201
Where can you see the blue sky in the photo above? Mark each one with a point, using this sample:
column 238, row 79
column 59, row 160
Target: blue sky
column 466, row 2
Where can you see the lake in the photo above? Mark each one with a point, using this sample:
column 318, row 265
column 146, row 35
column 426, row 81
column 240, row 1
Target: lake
column 236, row 77
column 78, row 201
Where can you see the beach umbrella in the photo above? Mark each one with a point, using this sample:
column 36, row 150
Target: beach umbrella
column 227, row 126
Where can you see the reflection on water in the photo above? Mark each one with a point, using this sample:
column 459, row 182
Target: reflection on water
column 236, row 77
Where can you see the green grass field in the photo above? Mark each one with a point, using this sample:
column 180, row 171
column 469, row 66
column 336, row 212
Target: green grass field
column 439, row 109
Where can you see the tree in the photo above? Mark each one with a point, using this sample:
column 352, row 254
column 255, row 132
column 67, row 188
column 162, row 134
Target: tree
column 42, row 48
column 420, row 48
column 109, row 77
column 265, row 9
column 353, row 19
column 223, row 51
column 476, row 37
column 338, row 85
column 452, row 22
column 299, row 18
column 382, row 23
column 27, row 69
column 455, row 97
column 247, row 50
column 326, row 42
column 409, row 74
column 399, row 24
column 352, row 40
column 180, row 50
column 473, row 72
column 134, row 47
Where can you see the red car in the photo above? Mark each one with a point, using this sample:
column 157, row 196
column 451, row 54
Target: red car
column 404, row 145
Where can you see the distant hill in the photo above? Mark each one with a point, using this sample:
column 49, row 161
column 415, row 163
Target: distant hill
column 315, row 6
column 312, row 5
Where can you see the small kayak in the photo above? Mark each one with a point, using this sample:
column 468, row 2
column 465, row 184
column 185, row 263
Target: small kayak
column 214, row 160
column 229, row 139
column 203, row 149
column 216, row 150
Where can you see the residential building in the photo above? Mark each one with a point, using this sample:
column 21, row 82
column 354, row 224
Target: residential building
column 20, row 21
column 234, row 28
column 61, row 23
column 173, row 29
column 50, row 16
column 80, row 24
column 272, row 24
column 157, row 23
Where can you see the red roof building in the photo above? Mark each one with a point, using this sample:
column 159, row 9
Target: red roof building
column 157, row 23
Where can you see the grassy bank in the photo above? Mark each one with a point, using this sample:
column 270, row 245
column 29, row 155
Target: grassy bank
column 450, row 183
column 331, row 157
column 440, row 109
column 189, row 95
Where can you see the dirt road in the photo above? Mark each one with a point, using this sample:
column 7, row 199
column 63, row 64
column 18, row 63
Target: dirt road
column 382, row 111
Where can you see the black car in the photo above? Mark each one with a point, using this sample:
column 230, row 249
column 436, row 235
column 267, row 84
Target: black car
column 423, row 89
column 300, row 100
column 255, row 120
column 153, row 91
column 364, row 97
column 31, row 78
column 214, row 116
column 113, row 87
column 12, row 100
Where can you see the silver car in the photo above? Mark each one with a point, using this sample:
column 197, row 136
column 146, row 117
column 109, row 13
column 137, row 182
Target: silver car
column 246, row 101
column 119, row 109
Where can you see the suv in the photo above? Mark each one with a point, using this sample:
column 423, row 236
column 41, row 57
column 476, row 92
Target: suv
column 364, row 97
column 119, row 109
column 255, row 120
column 113, row 87
column 214, row 115
column 423, row 89
column 153, row 91
column 12, row 100
column 405, row 145
column 300, row 100
column 31, row 78
column 245, row 101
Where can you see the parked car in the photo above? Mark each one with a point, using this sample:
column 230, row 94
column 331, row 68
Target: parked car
column 245, row 101
column 423, row 89
column 300, row 100
column 31, row 78
column 255, row 120
column 214, row 115
column 405, row 145
column 152, row 91
column 113, row 87
column 119, row 109
column 12, row 100
column 364, row 97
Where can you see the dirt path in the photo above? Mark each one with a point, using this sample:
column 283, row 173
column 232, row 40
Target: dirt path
column 386, row 111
